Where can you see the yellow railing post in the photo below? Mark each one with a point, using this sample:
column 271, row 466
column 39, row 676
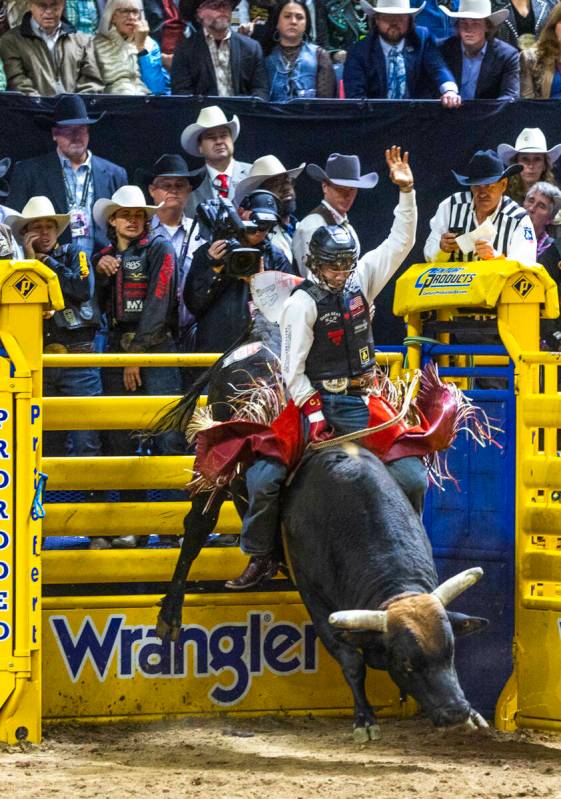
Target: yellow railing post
column 26, row 289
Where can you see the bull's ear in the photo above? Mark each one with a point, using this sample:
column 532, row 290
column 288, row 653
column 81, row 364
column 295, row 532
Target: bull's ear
column 466, row 625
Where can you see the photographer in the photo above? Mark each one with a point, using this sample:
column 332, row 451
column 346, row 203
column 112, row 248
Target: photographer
column 218, row 299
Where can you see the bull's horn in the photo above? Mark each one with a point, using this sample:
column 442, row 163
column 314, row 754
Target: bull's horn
column 456, row 585
column 360, row 620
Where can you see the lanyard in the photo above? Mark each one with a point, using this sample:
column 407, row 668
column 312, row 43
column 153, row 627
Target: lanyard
column 72, row 198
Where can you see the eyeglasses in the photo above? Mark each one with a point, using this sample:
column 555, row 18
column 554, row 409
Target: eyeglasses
column 128, row 12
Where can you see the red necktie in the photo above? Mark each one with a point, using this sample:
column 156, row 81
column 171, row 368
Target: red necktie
column 221, row 183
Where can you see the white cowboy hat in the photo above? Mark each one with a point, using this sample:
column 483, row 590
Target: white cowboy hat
column 210, row 117
column 125, row 197
column 37, row 208
column 390, row 7
column 268, row 166
column 531, row 140
column 477, row 9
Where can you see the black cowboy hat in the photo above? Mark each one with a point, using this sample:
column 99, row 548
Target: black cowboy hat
column 69, row 110
column 5, row 165
column 188, row 9
column 485, row 167
column 170, row 165
column 343, row 170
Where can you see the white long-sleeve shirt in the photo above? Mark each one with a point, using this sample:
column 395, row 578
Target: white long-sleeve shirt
column 515, row 232
column 373, row 271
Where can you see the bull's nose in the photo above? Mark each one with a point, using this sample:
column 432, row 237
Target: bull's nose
column 451, row 714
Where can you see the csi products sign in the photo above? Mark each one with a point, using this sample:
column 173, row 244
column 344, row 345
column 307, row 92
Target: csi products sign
column 440, row 280
column 241, row 650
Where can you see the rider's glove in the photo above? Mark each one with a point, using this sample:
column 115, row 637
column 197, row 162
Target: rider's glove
column 313, row 411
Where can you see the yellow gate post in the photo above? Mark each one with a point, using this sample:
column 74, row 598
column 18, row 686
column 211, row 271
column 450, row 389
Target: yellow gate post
column 26, row 288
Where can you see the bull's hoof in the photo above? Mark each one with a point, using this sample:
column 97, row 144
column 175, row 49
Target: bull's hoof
column 371, row 732
column 167, row 631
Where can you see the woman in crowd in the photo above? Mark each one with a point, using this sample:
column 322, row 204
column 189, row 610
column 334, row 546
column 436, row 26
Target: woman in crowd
column 296, row 68
column 537, row 161
column 526, row 19
column 540, row 66
column 130, row 62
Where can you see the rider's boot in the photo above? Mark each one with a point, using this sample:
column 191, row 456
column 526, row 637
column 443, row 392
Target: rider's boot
column 259, row 568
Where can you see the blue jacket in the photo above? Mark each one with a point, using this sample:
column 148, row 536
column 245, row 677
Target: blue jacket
column 152, row 71
column 365, row 67
column 499, row 76
column 43, row 176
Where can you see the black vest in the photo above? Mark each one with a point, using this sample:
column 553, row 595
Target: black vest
column 343, row 344
column 131, row 285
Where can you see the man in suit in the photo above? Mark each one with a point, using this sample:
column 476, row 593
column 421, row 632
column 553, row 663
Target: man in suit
column 396, row 57
column 70, row 176
column 212, row 59
column 484, row 68
column 212, row 137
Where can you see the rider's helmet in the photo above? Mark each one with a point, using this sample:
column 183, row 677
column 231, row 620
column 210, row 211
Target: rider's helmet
column 332, row 246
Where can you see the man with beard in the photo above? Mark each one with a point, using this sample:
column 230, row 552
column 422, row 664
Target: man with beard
column 212, row 59
column 270, row 174
column 395, row 59
column 212, row 137
column 340, row 182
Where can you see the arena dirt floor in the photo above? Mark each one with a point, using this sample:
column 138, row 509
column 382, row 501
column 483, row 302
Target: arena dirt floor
column 280, row 758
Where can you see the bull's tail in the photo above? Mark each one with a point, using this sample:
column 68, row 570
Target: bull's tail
column 178, row 416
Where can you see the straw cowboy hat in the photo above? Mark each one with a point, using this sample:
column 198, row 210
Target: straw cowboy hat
column 210, row 117
column 36, row 208
column 69, row 110
column 485, row 167
column 343, row 170
column 268, row 166
column 531, row 140
column 390, row 7
column 477, row 9
column 125, row 197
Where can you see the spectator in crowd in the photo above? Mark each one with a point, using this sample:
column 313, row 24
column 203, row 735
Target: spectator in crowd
column 214, row 60
column 129, row 60
column 430, row 16
column 166, row 26
column 295, row 66
column 212, row 137
column 84, row 15
column 540, row 76
column 543, row 203
column 46, row 55
column 484, row 199
column 136, row 280
column 526, row 19
column 219, row 301
column 9, row 248
column 483, row 66
column 169, row 184
column 270, row 174
column 396, row 58
column 530, row 150
column 340, row 182
column 73, row 329
column 340, row 23
column 70, row 176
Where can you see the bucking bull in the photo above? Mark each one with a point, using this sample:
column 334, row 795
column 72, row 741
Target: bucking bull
column 360, row 557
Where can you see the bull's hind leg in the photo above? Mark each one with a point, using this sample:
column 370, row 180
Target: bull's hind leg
column 197, row 526
column 352, row 664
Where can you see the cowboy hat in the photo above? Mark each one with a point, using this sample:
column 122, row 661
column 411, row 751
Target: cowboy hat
column 531, row 140
column 485, row 167
column 170, row 166
column 390, row 7
column 69, row 110
column 210, row 117
column 188, row 9
column 5, row 165
column 125, row 197
column 477, row 9
column 343, row 170
column 268, row 166
column 36, row 208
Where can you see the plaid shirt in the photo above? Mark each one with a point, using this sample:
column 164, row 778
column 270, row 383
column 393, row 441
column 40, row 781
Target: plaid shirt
column 220, row 55
column 83, row 14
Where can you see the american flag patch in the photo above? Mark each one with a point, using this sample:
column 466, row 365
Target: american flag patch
column 356, row 306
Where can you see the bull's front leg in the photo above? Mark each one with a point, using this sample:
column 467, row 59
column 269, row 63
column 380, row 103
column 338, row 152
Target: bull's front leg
column 197, row 527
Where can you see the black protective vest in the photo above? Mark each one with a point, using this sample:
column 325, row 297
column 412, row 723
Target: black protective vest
column 343, row 344
column 131, row 285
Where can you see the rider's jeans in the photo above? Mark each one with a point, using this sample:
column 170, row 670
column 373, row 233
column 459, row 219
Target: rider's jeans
column 265, row 478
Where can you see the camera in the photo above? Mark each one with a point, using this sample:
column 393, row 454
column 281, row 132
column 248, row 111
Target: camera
column 219, row 220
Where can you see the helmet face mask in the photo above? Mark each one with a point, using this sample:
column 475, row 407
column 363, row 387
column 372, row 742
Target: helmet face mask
column 333, row 254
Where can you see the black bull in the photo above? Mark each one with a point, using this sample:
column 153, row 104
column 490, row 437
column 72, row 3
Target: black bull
column 363, row 565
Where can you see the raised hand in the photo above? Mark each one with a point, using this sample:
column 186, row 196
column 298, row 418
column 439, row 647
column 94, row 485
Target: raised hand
column 399, row 169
